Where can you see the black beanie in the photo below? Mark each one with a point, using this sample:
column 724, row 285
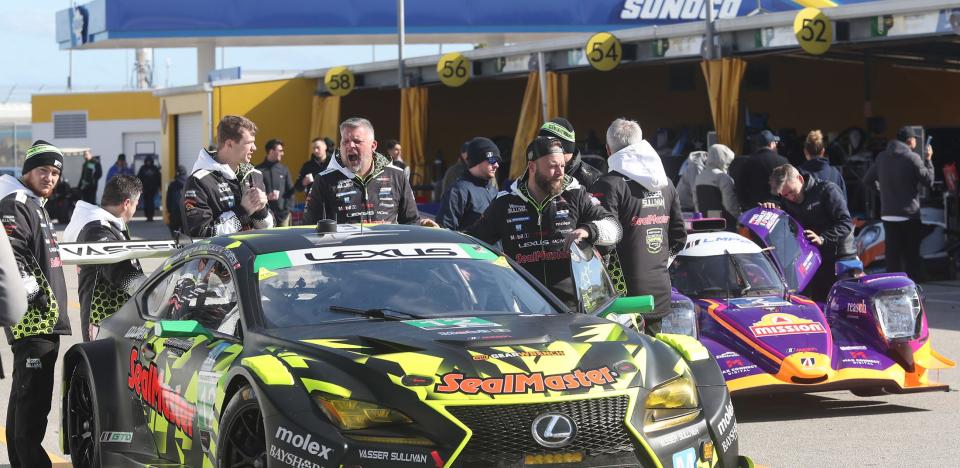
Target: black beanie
column 560, row 128
column 42, row 153
column 481, row 149
column 543, row 146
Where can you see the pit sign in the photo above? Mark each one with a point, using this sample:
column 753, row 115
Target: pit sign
column 603, row 51
column 813, row 30
column 339, row 81
column 453, row 69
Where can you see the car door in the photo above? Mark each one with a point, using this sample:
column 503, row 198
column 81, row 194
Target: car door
column 183, row 371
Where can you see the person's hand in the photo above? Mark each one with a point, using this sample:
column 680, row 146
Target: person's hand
column 308, row 180
column 575, row 235
column 769, row 206
column 425, row 222
column 929, row 152
column 274, row 195
column 253, row 200
column 813, row 237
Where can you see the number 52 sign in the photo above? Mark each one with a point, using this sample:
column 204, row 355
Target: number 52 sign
column 813, row 30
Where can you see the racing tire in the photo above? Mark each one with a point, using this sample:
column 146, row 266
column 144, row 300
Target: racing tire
column 83, row 425
column 243, row 441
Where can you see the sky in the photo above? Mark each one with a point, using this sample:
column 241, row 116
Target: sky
column 32, row 62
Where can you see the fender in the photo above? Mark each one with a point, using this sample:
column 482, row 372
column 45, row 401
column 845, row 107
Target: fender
column 103, row 380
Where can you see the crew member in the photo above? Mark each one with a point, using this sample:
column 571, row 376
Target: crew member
column 361, row 185
column 467, row 199
column 319, row 158
column 105, row 288
column 542, row 213
column 225, row 193
column 562, row 129
column 276, row 179
column 821, row 209
column 35, row 339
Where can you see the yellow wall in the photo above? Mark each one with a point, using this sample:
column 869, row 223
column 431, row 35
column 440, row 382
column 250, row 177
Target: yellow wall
column 179, row 104
column 121, row 105
column 281, row 109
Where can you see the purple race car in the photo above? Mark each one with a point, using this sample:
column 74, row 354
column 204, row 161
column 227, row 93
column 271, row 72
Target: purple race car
column 737, row 296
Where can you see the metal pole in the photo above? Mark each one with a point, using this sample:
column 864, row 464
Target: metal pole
column 401, row 72
column 542, row 71
column 15, row 155
column 710, row 51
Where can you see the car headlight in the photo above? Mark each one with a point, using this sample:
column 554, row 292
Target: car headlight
column 897, row 312
column 682, row 319
column 355, row 414
column 671, row 404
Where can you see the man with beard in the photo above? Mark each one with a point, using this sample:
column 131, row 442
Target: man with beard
column 562, row 129
column 639, row 193
column 467, row 199
column 220, row 179
column 360, row 185
column 35, row 339
column 542, row 214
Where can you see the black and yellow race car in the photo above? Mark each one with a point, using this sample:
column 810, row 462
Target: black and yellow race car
column 367, row 346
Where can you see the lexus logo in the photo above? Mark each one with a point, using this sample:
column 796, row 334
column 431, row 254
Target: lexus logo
column 553, row 430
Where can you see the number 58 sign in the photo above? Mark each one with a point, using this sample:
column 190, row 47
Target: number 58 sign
column 813, row 30
column 339, row 81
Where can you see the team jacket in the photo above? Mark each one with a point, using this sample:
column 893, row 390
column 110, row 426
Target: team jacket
column 533, row 233
column 103, row 288
column 383, row 196
column 586, row 174
column 465, row 202
column 646, row 204
column 211, row 199
column 38, row 258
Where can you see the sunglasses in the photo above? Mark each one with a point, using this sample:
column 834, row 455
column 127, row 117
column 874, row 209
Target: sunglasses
column 493, row 160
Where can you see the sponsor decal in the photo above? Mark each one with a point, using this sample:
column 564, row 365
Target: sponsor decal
column 476, row 331
column 514, row 209
column 856, row 309
column 778, row 324
column 346, row 194
column 808, row 361
column 741, row 369
column 137, row 333
column 735, row 362
column 677, row 10
column 807, row 263
column 727, row 355
column 375, row 252
column 562, row 214
column 85, row 251
column 654, row 239
column 758, row 302
column 553, row 430
column 679, row 436
column 653, row 200
column 303, row 442
column 765, row 219
column 727, row 420
column 147, row 383
column 649, row 220
column 849, row 348
column 484, row 357
column 685, row 459
column 121, row 437
column 34, row 363
column 730, row 439
column 387, row 455
column 190, row 194
column 537, row 382
column 291, row 459
column 519, row 219
column 451, row 323
column 541, row 256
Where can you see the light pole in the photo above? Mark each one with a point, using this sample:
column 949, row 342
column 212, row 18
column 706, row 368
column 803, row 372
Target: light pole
column 401, row 81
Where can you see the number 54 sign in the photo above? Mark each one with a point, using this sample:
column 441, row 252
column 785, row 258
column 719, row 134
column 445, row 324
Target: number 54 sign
column 603, row 51
column 813, row 30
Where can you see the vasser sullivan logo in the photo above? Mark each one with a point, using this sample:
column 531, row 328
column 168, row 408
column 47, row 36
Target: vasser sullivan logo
column 537, row 382
column 147, row 383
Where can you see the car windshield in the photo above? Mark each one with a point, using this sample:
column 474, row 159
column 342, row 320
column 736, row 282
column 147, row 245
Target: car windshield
column 726, row 275
column 395, row 288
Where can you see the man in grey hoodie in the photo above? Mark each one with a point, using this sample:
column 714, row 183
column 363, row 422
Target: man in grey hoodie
column 714, row 187
column 898, row 172
column 639, row 194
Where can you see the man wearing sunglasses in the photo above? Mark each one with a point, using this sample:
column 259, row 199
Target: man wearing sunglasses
column 470, row 196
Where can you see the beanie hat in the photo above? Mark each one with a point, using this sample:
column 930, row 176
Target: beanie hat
column 481, row 149
column 544, row 146
column 42, row 153
column 906, row 133
column 560, row 128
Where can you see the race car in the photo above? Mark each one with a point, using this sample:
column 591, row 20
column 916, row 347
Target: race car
column 386, row 345
column 738, row 297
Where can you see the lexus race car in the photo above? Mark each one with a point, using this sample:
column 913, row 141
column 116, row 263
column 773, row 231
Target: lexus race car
column 738, row 297
column 367, row 346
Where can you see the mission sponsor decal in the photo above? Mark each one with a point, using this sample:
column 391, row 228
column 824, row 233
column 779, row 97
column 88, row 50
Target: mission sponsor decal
column 537, row 382
column 147, row 383
column 785, row 324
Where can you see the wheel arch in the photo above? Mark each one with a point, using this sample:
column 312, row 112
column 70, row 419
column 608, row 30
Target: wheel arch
column 103, row 378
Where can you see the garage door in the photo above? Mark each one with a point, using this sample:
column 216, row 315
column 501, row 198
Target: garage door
column 189, row 139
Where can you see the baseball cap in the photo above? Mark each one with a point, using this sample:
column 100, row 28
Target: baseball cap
column 766, row 137
column 544, row 146
column 906, row 133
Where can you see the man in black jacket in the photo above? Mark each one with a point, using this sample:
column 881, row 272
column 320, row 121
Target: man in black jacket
column 542, row 213
column 360, row 185
column 89, row 177
column 319, row 159
column 562, row 129
column 467, row 199
column 638, row 192
column 35, row 339
column 225, row 193
column 276, row 180
column 751, row 179
column 105, row 288
column 898, row 173
column 820, row 207
column 174, row 199
column 149, row 176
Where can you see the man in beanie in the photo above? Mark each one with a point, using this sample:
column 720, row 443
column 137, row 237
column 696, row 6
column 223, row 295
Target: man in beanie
column 898, row 173
column 225, row 193
column 35, row 339
column 544, row 211
column 562, row 129
column 643, row 199
column 470, row 196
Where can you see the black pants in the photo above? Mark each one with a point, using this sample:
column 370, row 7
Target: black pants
column 903, row 247
column 148, row 207
column 31, row 394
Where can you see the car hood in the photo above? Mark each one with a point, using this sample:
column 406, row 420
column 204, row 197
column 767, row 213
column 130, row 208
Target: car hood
column 503, row 356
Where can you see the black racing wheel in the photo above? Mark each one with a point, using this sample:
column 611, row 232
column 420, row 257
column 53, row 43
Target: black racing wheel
column 243, row 442
column 83, row 425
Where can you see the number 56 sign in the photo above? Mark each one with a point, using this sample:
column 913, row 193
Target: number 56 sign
column 453, row 69
column 813, row 30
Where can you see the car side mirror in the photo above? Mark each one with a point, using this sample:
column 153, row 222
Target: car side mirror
column 180, row 329
column 629, row 305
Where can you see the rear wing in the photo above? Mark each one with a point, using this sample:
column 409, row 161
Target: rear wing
column 99, row 253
